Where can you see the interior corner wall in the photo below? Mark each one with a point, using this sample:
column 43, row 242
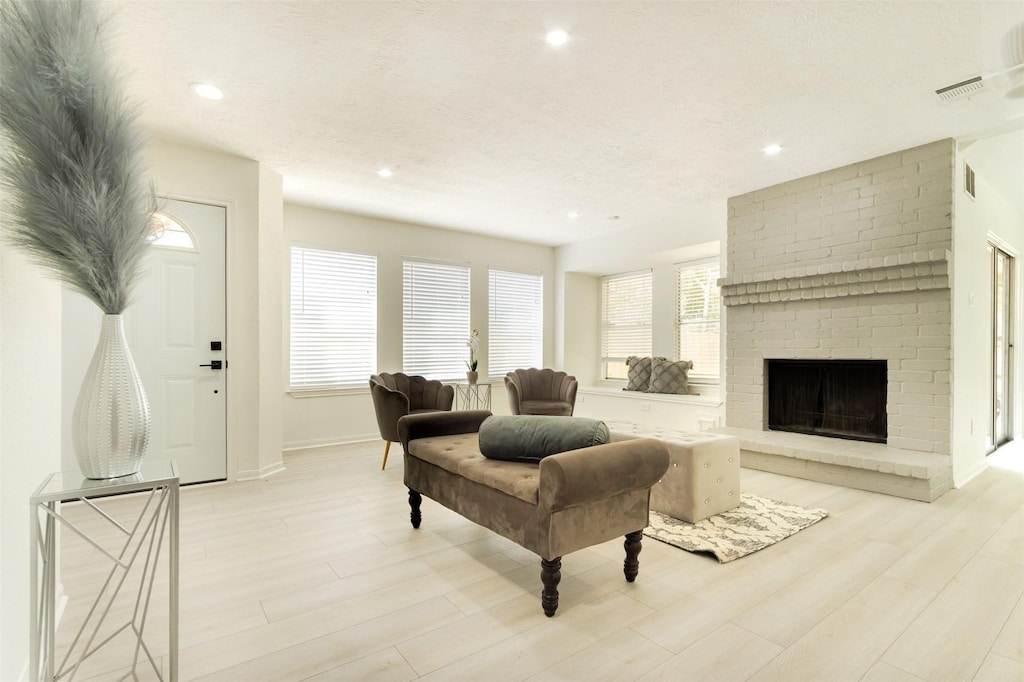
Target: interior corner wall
column 975, row 221
column 30, row 428
column 195, row 174
column 272, row 260
column 699, row 233
column 581, row 335
column 348, row 416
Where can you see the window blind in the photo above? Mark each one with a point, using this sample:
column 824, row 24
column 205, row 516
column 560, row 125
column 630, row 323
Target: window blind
column 435, row 327
column 698, row 322
column 516, row 322
column 333, row 319
column 625, row 320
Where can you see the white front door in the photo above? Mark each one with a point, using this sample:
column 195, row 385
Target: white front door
column 173, row 326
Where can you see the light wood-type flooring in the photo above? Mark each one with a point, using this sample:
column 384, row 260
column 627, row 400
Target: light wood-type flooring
column 316, row 574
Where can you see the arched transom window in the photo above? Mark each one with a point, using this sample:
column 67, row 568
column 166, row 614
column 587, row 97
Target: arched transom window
column 168, row 232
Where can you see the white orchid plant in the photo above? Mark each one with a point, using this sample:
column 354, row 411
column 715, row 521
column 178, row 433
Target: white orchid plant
column 474, row 347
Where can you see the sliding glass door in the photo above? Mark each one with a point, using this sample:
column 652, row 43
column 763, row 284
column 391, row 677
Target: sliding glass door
column 1001, row 427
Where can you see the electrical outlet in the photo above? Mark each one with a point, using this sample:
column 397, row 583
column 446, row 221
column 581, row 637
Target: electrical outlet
column 645, row 407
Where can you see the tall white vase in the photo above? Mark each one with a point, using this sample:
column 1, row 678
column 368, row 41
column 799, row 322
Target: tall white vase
column 111, row 424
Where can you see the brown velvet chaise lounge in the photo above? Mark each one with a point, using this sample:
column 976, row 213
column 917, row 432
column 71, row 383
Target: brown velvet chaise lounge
column 566, row 502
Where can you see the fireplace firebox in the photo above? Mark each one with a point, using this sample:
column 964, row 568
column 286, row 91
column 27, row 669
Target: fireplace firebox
column 835, row 398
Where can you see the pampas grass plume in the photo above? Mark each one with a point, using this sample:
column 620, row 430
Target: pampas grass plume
column 77, row 200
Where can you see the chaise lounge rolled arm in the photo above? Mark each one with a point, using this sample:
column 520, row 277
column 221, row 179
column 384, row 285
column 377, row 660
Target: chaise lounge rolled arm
column 566, row 502
column 446, row 424
column 577, row 477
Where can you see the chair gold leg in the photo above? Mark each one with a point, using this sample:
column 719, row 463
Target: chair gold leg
column 386, row 448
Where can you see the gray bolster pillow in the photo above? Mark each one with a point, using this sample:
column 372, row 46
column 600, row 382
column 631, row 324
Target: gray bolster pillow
column 531, row 438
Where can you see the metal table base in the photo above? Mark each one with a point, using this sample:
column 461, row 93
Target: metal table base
column 472, row 396
column 135, row 552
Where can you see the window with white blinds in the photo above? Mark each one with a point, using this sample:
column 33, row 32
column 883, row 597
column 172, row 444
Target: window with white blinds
column 625, row 320
column 435, row 327
column 516, row 322
column 333, row 319
column 698, row 321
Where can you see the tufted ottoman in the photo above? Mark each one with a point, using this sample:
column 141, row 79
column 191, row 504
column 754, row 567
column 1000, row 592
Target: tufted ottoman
column 703, row 478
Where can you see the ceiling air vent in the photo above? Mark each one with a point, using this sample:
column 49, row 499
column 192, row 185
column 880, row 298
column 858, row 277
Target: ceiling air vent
column 969, row 179
column 963, row 89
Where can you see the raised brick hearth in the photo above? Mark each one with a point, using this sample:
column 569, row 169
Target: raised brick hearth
column 849, row 264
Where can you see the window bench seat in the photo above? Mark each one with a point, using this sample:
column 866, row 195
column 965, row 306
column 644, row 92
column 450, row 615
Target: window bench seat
column 662, row 397
column 656, row 410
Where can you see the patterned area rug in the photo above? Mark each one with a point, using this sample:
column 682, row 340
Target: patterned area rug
column 757, row 523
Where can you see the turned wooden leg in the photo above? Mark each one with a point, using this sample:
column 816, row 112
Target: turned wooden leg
column 633, row 546
column 386, row 448
column 550, row 575
column 414, row 503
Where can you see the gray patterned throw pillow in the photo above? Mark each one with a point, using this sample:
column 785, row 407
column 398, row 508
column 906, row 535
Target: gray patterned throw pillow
column 670, row 377
column 639, row 376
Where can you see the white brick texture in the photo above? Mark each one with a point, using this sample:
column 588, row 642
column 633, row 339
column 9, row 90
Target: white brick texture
column 852, row 263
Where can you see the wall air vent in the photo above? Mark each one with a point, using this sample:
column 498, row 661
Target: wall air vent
column 965, row 88
column 969, row 180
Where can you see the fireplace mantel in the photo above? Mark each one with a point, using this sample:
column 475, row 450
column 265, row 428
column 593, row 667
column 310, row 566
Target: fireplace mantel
column 913, row 271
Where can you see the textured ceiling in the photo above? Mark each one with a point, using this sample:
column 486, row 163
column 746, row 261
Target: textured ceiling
column 652, row 109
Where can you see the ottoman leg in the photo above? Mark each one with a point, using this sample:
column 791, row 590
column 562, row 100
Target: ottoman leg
column 550, row 575
column 414, row 503
column 633, row 545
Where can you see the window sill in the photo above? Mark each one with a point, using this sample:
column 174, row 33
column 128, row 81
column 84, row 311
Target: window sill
column 708, row 400
column 329, row 392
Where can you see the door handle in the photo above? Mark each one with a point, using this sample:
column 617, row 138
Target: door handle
column 214, row 364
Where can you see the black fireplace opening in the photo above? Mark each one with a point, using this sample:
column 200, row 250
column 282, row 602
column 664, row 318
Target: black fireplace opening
column 835, row 398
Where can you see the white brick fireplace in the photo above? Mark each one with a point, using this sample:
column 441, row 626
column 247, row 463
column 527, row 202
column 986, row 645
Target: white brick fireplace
column 850, row 264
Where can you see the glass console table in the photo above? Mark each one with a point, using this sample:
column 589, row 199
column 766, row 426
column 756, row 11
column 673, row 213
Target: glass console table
column 472, row 396
column 130, row 548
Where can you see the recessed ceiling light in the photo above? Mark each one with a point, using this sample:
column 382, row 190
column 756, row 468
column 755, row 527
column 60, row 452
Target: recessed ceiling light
column 207, row 91
column 573, row 215
column 773, row 149
column 385, row 172
column 557, row 37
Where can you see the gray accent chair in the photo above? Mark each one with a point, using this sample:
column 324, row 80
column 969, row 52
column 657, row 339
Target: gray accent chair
column 541, row 391
column 396, row 395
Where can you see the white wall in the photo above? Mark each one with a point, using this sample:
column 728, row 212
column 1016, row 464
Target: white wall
column 253, row 290
column 348, row 415
column 30, row 419
column 975, row 222
column 272, row 260
column 580, row 348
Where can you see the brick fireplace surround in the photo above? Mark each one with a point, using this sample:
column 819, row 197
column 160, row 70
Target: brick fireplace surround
column 849, row 264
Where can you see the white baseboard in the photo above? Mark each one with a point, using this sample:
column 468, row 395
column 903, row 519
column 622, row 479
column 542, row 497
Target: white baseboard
column 262, row 472
column 963, row 478
column 60, row 604
column 330, row 441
